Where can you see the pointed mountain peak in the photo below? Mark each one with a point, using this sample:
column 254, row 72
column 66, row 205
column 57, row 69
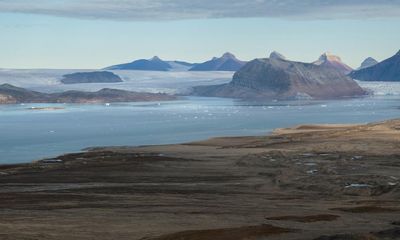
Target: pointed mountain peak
column 369, row 59
column 328, row 56
column 277, row 55
column 368, row 62
column 228, row 55
column 155, row 58
column 327, row 59
column 227, row 62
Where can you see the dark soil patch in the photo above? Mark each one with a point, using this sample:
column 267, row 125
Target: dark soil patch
column 306, row 219
column 393, row 233
column 389, row 234
column 366, row 209
column 240, row 233
column 346, row 237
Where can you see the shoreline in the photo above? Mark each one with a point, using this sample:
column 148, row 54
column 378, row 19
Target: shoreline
column 308, row 181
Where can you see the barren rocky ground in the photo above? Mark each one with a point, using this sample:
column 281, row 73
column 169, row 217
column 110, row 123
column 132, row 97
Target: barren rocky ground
column 307, row 182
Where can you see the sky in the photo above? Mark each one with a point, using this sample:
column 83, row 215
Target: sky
column 92, row 34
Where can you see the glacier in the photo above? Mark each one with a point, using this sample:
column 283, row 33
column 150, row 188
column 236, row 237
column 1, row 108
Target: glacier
column 179, row 82
column 175, row 82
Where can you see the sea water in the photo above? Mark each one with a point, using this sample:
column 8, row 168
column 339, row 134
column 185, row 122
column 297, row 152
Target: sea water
column 28, row 134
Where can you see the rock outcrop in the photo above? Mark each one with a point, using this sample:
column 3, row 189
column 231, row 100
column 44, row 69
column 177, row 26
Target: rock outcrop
column 91, row 77
column 275, row 78
column 277, row 55
column 332, row 61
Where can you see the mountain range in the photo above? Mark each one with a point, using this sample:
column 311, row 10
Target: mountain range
column 387, row 70
column 370, row 69
column 228, row 62
column 277, row 78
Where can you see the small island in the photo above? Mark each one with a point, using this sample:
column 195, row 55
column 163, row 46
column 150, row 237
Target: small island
column 91, row 77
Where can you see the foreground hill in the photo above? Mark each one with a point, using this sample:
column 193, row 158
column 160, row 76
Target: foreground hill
column 387, row 70
column 275, row 78
column 11, row 95
column 91, row 77
column 228, row 62
column 315, row 182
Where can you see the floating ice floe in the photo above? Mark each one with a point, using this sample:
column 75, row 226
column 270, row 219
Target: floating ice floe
column 308, row 155
column 310, row 164
column 313, row 171
column 358, row 185
column 51, row 161
column 325, row 154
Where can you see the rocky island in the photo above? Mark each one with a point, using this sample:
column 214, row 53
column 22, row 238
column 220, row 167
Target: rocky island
column 321, row 182
column 10, row 94
column 277, row 78
column 91, row 77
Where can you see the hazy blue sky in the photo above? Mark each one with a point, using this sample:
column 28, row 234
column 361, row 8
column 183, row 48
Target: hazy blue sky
column 97, row 33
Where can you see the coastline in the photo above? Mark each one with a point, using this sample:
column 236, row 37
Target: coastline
column 308, row 181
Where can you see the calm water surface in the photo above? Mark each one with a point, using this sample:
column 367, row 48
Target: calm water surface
column 28, row 135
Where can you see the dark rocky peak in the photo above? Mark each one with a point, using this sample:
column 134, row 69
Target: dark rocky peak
column 228, row 55
column 277, row 55
column 155, row 58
